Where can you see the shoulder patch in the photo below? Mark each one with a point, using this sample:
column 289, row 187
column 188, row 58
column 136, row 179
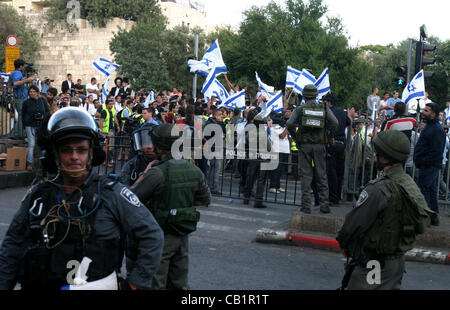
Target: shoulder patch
column 130, row 197
column 362, row 198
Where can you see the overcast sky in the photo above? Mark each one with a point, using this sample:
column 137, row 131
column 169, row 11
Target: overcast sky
column 366, row 21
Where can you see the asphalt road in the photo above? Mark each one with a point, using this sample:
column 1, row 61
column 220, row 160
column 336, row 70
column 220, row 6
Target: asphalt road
column 224, row 255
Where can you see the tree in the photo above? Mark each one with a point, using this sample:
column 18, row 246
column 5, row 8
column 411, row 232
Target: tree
column 99, row 12
column 15, row 24
column 138, row 52
column 270, row 38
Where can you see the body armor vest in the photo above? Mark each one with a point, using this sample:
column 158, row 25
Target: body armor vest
column 46, row 264
column 396, row 227
column 311, row 118
column 173, row 208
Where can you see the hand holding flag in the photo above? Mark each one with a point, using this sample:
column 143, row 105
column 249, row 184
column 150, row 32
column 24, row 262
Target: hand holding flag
column 415, row 89
column 211, row 60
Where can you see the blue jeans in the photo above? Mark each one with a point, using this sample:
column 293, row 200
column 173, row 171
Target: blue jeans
column 427, row 182
column 275, row 175
column 31, row 136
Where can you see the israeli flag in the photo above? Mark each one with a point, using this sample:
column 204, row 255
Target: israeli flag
column 304, row 79
column 236, row 101
column 104, row 66
column 212, row 87
column 274, row 104
column 264, row 87
column 150, row 98
column 105, row 90
column 291, row 76
column 211, row 59
column 5, row 77
column 323, row 84
column 415, row 89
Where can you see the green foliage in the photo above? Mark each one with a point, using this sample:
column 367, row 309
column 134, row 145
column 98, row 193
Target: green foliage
column 99, row 12
column 385, row 59
column 15, row 24
column 271, row 38
column 138, row 52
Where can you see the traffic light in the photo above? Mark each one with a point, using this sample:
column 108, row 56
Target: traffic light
column 400, row 79
column 422, row 50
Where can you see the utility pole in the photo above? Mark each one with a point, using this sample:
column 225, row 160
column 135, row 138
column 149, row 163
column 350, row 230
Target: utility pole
column 194, row 83
column 408, row 74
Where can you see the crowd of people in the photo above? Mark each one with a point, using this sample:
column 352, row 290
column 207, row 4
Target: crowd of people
column 313, row 142
column 126, row 110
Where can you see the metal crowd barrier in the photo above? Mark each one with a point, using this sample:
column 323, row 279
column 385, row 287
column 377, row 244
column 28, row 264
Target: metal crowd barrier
column 359, row 170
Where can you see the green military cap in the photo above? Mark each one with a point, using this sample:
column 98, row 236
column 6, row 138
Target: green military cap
column 162, row 136
column 310, row 91
column 393, row 143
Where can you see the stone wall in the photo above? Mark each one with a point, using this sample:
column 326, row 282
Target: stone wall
column 62, row 52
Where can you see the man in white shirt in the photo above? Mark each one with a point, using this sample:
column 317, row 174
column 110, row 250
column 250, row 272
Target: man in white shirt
column 92, row 89
column 118, row 104
column 384, row 104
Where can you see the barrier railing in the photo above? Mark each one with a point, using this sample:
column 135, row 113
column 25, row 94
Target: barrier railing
column 360, row 168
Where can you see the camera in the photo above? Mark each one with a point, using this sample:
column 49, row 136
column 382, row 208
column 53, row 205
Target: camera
column 38, row 116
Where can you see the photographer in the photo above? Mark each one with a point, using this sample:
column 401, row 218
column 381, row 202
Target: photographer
column 46, row 85
column 34, row 110
column 20, row 95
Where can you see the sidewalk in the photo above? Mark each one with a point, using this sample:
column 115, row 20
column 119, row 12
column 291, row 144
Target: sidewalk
column 318, row 231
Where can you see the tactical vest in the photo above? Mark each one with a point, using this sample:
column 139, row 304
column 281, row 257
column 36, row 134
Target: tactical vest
column 396, row 227
column 124, row 118
column 312, row 117
column 173, row 208
column 47, row 268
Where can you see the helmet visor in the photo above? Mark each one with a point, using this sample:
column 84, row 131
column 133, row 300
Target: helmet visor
column 142, row 139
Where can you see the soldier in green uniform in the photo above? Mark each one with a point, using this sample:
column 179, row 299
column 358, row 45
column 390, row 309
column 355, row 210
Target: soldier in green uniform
column 171, row 189
column 388, row 215
column 314, row 121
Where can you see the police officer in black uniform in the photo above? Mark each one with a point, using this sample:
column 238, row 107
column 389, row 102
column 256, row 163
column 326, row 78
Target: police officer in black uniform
column 78, row 215
column 143, row 145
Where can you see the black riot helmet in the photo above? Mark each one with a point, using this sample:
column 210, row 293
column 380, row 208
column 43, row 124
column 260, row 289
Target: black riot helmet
column 72, row 122
column 142, row 138
column 68, row 123
column 162, row 136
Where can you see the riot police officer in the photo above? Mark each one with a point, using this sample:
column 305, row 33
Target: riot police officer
column 172, row 188
column 78, row 215
column 315, row 122
column 388, row 215
column 143, row 145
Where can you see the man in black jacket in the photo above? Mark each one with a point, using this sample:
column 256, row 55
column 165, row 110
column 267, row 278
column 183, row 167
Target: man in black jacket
column 68, row 85
column 34, row 111
column 428, row 155
column 336, row 151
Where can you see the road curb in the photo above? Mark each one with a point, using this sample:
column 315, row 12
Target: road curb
column 325, row 243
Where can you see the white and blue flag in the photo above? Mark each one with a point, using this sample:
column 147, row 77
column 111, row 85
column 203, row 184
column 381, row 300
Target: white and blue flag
column 291, row 76
column 304, row 79
column 323, row 84
column 415, row 89
column 212, row 87
column 104, row 66
column 105, row 90
column 211, row 60
column 236, row 101
column 150, row 98
column 274, row 104
column 5, row 77
column 264, row 87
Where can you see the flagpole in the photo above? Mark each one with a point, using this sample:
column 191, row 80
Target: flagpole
column 194, row 83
